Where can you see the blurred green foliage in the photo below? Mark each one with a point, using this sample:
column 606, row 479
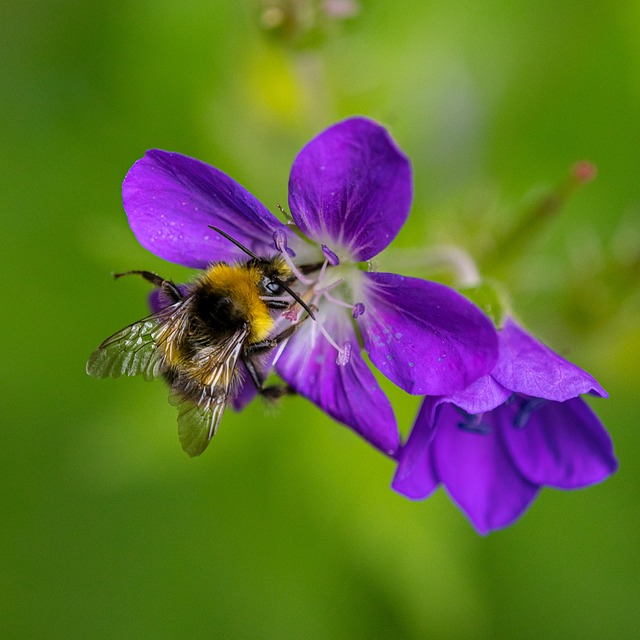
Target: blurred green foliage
column 286, row 527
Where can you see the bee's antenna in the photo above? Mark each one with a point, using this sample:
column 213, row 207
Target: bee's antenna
column 230, row 239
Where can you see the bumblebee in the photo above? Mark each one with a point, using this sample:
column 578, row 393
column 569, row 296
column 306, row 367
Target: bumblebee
column 198, row 341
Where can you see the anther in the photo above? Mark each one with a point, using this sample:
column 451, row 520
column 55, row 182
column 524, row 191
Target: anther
column 281, row 244
column 472, row 423
column 344, row 351
column 323, row 291
column 525, row 412
column 331, row 257
column 344, row 354
column 291, row 314
column 358, row 309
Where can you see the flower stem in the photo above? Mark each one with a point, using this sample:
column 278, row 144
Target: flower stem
column 537, row 216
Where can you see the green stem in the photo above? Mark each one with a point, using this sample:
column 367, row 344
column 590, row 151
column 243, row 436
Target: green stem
column 537, row 217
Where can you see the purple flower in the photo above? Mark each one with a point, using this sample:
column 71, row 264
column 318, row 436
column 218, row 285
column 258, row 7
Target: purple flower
column 350, row 192
column 495, row 444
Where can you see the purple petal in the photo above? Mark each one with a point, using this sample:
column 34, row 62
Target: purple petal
column 423, row 336
column 416, row 476
column 480, row 396
column 348, row 393
column 563, row 445
column 245, row 391
column 529, row 367
column 171, row 199
column 478, row 472
column 158, row 299
column 351, row 188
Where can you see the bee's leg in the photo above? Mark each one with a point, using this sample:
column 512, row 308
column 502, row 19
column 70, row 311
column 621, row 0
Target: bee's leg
column 275, row 391
column 253, row 372
column 256, row 348
column 272, row 392
column 168, row 287
column 276, row 304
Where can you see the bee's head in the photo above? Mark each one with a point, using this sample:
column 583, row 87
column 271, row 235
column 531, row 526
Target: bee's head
column 275, row 278
column 275, row 274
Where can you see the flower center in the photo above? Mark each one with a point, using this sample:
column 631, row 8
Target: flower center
column 327, row 288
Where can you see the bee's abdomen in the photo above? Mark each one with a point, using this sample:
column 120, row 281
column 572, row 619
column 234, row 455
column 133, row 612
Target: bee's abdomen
column 193, row 382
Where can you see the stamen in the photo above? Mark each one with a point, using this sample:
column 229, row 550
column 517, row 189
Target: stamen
column 344, row 354
column 280, row 241
column 331, row 257
column 472, row 423
column 330, row 340
column 344, row 351
column 323, row 291
column 526, row 410
column 330, row 298
column 291, row 314
column 358, row 309
column 281, row 244
column 323, row 270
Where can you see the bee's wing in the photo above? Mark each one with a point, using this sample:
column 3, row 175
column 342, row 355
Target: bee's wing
column 198, row 418
column 197, row 423
column 134, row 349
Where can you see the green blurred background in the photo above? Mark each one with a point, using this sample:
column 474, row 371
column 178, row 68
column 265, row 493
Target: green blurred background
column 286, row 527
